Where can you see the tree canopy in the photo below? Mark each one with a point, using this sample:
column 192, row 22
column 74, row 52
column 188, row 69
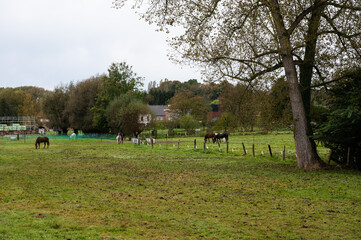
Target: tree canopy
column 120, row 80
column 124, row 113
column 341, row 132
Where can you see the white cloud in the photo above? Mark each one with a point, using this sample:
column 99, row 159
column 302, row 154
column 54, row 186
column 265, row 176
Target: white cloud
column 47, row 42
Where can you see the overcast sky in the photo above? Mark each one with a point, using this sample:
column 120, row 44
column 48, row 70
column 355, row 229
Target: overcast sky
column 46, row 43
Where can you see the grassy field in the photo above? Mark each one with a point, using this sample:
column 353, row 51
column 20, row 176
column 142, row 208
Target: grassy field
column 88, row 189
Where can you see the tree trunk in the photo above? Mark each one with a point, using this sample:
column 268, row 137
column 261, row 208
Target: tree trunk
column 306, row 69
column 306, row 157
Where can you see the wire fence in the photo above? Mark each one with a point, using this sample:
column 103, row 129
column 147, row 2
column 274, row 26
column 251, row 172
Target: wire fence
column 244, row 144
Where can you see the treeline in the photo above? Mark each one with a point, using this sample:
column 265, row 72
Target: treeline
column 22, row 101
column 97, row 104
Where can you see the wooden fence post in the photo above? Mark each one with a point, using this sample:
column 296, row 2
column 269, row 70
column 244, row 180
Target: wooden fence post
column 166, row 141
column 244, row 149
column 227, row 147
column 329, row 157
column 284, row 152
column 253, row 150
column 151, row 142
column 178, row 143
column 195, row 143
column 204, row 146
column 270, row 150
column 138, row 140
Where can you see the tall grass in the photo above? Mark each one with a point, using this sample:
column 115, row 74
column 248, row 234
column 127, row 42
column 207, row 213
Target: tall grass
column 88, row 189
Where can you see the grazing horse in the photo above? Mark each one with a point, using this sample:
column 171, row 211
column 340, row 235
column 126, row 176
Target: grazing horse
column 220, row 136
column 208, row 136
column 39, row 140
column 119, row 138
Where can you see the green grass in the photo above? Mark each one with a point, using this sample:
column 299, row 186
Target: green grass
column 88, row 189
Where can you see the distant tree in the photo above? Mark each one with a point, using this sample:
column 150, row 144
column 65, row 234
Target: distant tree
column 276, row 110
column 5, row 109
column 159, row 97
column 54, row 106
column 240, row 100
column 171, row 125
column 27, row 108
column 226, row 123
column 185, row 103
column 189, row 123
column 22, row 101
column 213, row 91
column 81, row 99
column 120, row 80
column 124, row 113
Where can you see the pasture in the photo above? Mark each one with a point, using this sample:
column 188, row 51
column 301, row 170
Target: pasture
column 91, row 189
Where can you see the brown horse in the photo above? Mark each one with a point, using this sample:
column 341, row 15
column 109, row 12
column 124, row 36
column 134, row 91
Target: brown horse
column 39, row 140
column 208, row 136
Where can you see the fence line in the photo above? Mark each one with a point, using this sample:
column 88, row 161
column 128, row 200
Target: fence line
column 169, row 144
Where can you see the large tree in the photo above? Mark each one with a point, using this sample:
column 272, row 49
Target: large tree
column 248, row 39
column 81, row 99
column 124, row 114
column 185, row 102
column 54, row 106
column 120, row 80
column 341, row 132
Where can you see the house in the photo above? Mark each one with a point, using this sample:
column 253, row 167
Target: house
column 160, row 112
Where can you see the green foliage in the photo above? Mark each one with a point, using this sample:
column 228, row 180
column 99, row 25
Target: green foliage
column 21, row 101
column 159, row 97
column 185, row 102
column 81, row 99
column 342, row 130
column 189, row 123
column 54, row 106
column 226, row 123
column 5, row 109
column 240, row 100
column 319, row 114
column 276, row 109
column 120, row 80
column 124, row 113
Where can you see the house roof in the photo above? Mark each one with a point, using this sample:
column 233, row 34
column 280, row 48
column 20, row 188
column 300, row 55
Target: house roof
column 158, row 110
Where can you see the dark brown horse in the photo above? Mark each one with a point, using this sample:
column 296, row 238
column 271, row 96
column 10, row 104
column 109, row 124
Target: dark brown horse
column 44, row 140
column 210, row 135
